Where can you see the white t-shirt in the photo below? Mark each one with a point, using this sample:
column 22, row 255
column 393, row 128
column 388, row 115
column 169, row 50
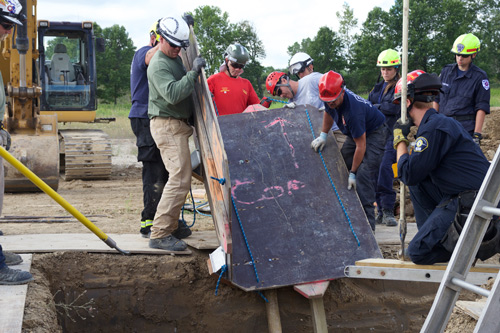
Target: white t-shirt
column 308, row 93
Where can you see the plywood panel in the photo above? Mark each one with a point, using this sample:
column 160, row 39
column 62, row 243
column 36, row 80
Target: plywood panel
column 293, row 221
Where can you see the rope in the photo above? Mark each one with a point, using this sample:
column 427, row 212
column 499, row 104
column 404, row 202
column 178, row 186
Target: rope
column 222, row 271
column 262, row 295
column 194, row 211
column 221, row 181
column 333, row 185
column 215, row 106
column 245, row 238
column 277, row 100
column 202, row 205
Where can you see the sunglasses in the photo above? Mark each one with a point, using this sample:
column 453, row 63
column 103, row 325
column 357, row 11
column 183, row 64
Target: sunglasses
column 236, row 65
column 184, row 44
column 463, row 55
column 7, row 26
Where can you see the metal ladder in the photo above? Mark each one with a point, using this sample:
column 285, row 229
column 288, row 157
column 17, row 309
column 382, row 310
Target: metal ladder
column 463, row 257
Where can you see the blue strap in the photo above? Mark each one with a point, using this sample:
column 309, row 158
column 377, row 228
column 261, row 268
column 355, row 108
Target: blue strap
column 333, row 185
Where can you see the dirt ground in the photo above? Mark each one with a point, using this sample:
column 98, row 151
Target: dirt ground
column 114, row 206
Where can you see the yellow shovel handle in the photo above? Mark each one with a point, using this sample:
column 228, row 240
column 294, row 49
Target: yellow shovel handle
column 59, row 199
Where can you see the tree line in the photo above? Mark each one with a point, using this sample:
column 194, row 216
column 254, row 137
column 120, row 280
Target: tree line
column 352, row 50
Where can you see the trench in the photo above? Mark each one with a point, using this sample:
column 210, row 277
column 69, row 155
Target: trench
column 84, row 292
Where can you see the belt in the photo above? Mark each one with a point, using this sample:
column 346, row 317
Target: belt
column 464, row 117
column 183, row 120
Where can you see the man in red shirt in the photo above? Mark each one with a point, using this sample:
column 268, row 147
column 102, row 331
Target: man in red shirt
column 232, row 93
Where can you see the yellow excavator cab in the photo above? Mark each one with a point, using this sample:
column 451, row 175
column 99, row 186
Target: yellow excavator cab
column 49, row 71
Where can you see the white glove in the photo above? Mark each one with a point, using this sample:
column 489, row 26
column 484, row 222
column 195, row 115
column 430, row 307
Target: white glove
column 319, row 142
column 291, row 105
column 351, row 182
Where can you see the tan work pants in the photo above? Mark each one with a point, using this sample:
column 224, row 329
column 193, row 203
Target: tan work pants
column 172, row 138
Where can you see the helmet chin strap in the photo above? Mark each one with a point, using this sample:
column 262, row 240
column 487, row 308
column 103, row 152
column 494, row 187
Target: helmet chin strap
column 228, row 71
column 289, row 87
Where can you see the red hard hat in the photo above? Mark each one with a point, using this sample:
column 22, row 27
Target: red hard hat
column 272, row 80
column 331, row 85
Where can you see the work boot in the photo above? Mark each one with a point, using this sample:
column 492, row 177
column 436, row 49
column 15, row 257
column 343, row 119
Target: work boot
column 379, row 219
column 14, row 276
column 145, row 231
column 182, row 230
column 1, row 233
column 169, row 243
column 388, row 218
column 12, row 259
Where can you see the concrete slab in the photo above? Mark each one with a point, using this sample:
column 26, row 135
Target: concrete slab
column 39, row 243
column 12, row 301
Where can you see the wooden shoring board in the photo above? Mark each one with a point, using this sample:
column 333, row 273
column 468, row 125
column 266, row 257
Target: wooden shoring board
column 12, row 300
column 472, row 308
column 41, row 243
column 294, row 224
column 213, row 155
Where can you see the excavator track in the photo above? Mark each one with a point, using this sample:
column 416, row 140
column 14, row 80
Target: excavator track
column 85, row 154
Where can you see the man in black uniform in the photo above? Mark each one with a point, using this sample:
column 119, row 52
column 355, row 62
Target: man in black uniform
column 154, row 174
column 445, row 164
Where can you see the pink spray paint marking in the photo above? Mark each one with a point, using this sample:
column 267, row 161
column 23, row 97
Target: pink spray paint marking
column 267, row 193
column 282, row 122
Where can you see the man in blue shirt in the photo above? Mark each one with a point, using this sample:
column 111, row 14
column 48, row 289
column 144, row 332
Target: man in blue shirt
column 363, row 124
column 302, row 92
column 154, row 174
column 465, row 93
column 445, row 164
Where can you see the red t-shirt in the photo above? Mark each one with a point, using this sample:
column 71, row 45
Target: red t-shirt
column 231, row 95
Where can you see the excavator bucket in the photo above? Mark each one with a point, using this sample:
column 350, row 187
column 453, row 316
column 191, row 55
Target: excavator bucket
column 39, row 151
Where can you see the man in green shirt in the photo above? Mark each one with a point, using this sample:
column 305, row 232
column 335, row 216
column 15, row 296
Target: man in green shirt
column 170, row 107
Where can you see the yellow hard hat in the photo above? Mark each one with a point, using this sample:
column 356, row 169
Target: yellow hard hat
column 388, row 58
column 152, row 31
column 466, row 44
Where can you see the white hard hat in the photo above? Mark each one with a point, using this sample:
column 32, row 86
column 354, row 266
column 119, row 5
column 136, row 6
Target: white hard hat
column 299, row 62
column 175, row 30
column 10, row 10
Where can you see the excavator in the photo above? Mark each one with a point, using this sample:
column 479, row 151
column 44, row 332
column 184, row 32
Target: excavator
column 49, row 71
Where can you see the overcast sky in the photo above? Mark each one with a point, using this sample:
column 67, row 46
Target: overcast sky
column 278, row 24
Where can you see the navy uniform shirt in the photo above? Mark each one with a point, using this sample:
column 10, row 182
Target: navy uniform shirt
column 356, row 115
column 445, row 152
column 464, row 94
column 384, row 103
column 139, row 90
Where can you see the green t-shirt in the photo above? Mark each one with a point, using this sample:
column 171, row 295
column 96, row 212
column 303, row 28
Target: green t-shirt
column 170, row 87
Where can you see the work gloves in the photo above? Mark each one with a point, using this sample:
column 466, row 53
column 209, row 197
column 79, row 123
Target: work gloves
column 189, row 19
column 477, row 137
column 5, row 137
column 401, row 132
column 198, row 64
column 265, row 102
column 319, row 142
column 351, row 182
column 291, row 105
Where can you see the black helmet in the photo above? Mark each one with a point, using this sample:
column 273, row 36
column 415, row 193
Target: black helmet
column 419, row 82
